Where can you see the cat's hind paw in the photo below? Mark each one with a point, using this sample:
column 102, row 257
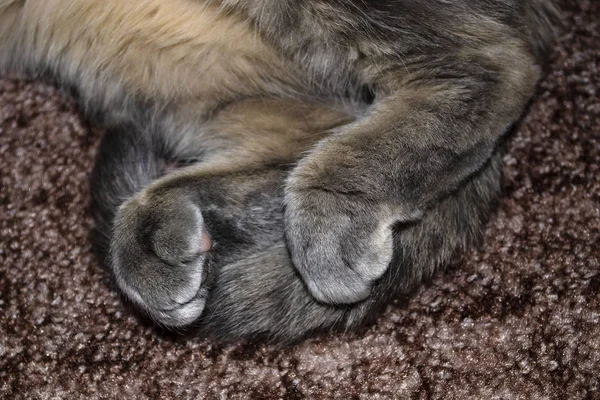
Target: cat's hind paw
column 158, row 254
column 339, row 245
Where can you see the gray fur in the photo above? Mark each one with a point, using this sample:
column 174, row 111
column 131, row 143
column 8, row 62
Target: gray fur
column 327, row 184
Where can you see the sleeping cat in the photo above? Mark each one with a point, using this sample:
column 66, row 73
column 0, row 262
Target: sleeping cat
column 330, row 153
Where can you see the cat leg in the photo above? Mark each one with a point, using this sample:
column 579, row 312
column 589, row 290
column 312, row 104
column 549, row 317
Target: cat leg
column 447, row 81
column 427, row 132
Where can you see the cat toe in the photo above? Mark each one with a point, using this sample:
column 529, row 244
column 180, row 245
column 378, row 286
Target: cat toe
column 180, row 237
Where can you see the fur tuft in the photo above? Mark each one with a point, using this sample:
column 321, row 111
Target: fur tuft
column 542, row 19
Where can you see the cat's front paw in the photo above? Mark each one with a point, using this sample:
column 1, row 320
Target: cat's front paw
column 339, row 243
column 158, row 253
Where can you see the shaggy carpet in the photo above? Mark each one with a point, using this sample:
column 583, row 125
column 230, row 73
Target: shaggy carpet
column 516, row 318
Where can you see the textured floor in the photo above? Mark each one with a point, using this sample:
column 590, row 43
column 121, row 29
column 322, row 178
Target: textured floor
column 518, row 318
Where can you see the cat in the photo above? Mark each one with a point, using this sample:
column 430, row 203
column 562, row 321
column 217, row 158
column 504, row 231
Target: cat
column 329, row 154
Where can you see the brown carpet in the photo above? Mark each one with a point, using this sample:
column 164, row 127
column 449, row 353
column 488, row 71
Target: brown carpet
column 519, row 318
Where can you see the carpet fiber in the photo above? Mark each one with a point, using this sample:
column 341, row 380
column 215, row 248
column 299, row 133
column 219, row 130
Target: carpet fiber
column 517, row 318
